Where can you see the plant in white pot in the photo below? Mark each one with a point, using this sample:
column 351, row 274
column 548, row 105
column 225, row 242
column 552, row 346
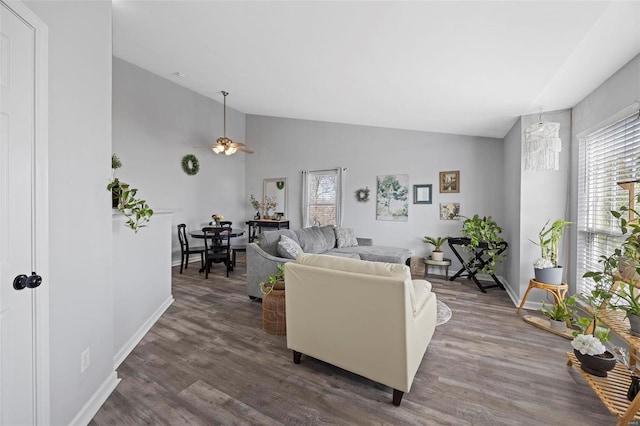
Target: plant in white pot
column 436, row 242
column 546, row 269
column 559, row 314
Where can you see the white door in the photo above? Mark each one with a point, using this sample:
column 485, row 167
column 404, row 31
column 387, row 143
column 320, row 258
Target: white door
column 17, row 220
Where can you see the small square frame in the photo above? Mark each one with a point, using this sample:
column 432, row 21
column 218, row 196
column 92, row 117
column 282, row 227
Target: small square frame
column 450, row 182
column 422, row 194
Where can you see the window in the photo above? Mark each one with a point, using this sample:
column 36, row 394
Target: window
column 322, row 197
column 608, row 157
column 322, row 193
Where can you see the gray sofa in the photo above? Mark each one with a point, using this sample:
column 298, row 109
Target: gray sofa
column 262, row 257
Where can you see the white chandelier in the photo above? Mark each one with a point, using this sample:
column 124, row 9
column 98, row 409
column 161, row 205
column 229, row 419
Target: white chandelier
column 542, row 146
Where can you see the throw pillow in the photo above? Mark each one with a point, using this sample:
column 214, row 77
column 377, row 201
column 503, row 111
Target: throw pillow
column 288, row 248
column 345, row 238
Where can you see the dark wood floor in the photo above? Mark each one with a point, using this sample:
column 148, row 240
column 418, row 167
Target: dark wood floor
column 207, row 361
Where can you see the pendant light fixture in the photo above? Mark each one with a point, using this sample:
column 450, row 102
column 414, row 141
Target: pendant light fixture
column 542, row 146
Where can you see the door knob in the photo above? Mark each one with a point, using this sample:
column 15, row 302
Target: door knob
column 22, row 281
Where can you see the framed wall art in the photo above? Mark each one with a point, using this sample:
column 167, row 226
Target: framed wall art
column 450, row 182
column 392, row 202
column 449, row 211
column 422, row 194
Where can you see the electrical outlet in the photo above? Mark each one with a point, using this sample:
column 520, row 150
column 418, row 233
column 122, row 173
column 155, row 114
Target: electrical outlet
column 85, row 360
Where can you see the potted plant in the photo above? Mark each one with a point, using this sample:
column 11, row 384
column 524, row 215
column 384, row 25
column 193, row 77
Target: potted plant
column 483, row 234
column 273, row 303
column 136, row 210
column 546, row 269
column 256, row 206
column 629, row 257
column 588, row 343
column 115, row 164
column 559, row 313
column 621, row 268
column 436, row 242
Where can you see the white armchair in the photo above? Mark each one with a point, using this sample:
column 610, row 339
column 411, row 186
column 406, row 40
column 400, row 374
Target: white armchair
column 369, row 318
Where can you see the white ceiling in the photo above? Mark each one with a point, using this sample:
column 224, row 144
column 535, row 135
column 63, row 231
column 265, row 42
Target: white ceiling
column 453, row 67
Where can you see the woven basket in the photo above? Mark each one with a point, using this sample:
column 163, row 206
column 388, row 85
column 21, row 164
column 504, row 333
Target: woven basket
column 274, row 320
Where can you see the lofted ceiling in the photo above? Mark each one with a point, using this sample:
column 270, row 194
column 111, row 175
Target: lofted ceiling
column 456, row 67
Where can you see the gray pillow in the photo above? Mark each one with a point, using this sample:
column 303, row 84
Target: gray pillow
column 345, row 238
column 288, row 248
column 312, row 240
column 268, row 240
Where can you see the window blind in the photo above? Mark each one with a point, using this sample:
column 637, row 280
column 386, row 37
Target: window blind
column 607, row 157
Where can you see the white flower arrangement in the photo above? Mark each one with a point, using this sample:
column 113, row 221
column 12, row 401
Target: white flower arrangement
column 588, row 344
column 542, row 263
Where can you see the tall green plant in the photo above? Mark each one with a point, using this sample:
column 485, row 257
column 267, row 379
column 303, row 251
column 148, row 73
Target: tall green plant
column 549, row 238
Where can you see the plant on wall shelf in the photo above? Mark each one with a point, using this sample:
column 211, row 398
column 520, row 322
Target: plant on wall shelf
column 136, row 210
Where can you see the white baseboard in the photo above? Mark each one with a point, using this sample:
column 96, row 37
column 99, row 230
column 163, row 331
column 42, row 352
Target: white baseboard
column 138, row 335
column 92, row 406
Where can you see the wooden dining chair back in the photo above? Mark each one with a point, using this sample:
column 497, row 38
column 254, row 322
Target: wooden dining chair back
column 222, row 223
column 217, row 247
column 186, row 250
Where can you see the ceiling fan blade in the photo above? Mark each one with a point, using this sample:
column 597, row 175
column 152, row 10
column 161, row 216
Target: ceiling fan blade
column 245, row 150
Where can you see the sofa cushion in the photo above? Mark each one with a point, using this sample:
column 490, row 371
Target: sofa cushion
column 379, row 253
column 345, row 238
column 329, row 235
column 313, row 240
column 269, row 240
column 288, row 248
column 353, row 265
column 334, row 252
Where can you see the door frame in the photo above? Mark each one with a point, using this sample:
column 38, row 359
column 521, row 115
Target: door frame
column 40, row 213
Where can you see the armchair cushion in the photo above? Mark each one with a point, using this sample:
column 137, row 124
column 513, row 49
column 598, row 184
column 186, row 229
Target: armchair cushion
column 288, row 248
column 345, row 238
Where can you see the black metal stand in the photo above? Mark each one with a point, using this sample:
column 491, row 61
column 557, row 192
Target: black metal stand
column 473, row 266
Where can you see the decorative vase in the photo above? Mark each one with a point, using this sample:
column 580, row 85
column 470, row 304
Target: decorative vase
column 634, row 323
column 437, row 255
column 274, row 319
column 558, row 325
column 634, row 387
column 217, row 223
column 596, row 365
column 551, row 276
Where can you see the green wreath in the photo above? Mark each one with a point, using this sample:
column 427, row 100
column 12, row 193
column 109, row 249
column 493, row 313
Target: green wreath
column 190, row 164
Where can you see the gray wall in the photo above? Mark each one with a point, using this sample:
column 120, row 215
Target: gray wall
column 619, row 91
column 155, row 123
column 81, row 297
column 284, row 147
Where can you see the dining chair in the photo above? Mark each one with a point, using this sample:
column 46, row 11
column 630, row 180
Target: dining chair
column 186, row 250
column 217, row 247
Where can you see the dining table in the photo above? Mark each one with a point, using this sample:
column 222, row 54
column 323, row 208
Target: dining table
column 200, row 235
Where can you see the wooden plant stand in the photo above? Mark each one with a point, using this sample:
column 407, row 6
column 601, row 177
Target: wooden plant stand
column 612, row 390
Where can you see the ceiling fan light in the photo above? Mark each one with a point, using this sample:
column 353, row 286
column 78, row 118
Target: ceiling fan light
column 217, row 149
column 230, row 150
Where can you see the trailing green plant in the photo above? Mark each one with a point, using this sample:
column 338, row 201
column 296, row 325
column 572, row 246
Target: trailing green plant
column 548, row 241
column 274, row 279
column 559, row 311
column 136, row 210
column 483, row 233
column 437, row 242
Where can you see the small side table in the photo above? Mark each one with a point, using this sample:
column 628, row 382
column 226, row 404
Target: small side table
column 445, row 262
column 558, row 291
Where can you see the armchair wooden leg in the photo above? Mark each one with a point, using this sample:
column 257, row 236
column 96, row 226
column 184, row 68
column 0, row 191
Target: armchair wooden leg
column 296, row 358
column 397, row 397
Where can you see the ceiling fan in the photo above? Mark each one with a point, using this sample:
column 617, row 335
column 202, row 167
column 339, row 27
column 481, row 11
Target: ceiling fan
column 224, row 144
